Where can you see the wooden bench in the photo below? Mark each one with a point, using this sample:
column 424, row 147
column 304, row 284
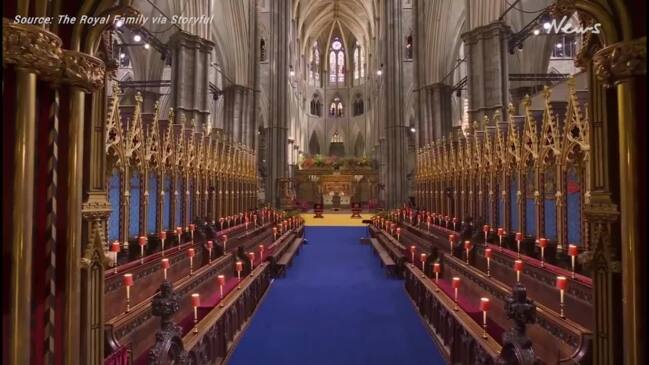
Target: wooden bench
column 287, row 258
column 386, row 261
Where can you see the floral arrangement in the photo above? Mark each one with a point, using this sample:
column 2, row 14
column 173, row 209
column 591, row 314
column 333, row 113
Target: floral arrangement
column 334, row 162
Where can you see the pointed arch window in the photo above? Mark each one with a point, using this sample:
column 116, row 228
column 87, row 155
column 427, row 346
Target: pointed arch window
column 337, row 62
column 336, row 109
column 314, row 65
column 357, row 61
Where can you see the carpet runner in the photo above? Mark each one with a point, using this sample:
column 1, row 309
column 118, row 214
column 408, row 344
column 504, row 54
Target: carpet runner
column 336, row 306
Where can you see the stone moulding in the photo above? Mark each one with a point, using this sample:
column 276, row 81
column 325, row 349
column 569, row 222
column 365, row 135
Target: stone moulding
column 35, row 49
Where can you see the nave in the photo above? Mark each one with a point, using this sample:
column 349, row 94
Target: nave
column 336, row 306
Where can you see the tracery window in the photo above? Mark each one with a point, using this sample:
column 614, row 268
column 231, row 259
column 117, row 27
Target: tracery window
column 336, row 109
column 314, row 65
column 337, row 62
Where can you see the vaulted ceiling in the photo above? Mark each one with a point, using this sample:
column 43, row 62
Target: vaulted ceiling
column 317, row 17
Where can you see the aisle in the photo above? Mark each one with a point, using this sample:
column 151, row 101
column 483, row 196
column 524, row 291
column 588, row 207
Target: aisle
column 336, row 306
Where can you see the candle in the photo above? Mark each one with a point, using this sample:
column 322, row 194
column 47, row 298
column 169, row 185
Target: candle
column 163, row 237
column 572, row 251
column 485, row 229
column 221, row 279
column 225, row 241
column 398, row 233
column 239, row 267
column 221, row 220
column 142, row 241
column 562, row 284
column 274, row 233
column 413, row 248
column 501, row 234
column 196, row 301
column 422, row 258
column 179, row 232
column 451, row 239
column 115, row 248
column 261, row 252
column 455, row 283
column 437, row 268
column 190, row 254
column 543, row 243
column 519, row 238
column 454, row 222
column 164, row 263
column 484, row 307
column 209, row 245
column 518, row 267
column 487, row 255
column 251, row 256
column 127, row 279
column 467, row 247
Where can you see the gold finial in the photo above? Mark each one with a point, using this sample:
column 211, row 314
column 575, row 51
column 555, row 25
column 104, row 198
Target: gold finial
column 138, row 97
column 572, row 85
column 116, row 90
column 172, row 114
column 547, row 92
column 510, row 109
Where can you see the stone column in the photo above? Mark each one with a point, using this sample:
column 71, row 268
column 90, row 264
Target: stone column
column 439, row 101
column 277, row 131
column 190, row 76
column 485, row 48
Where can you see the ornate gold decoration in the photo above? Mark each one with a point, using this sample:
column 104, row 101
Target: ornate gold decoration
column 33, row 48
column 83, row 70
column 621, row 60
column 561, row 8
column 486, row 158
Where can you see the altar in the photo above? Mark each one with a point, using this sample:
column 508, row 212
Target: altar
column 336, row 201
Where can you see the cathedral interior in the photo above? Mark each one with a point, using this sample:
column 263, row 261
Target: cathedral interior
column 323, row 182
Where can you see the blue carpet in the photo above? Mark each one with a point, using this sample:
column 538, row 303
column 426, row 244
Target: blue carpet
column 336, row 306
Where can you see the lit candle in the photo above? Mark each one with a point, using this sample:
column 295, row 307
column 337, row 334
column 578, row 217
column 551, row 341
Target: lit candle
column 164, row 263
column 455, row 283
column 196, row 301
column 115, row 248
column 487, row 255
column 572, row 251
column 485, row 229
column 209, row 245
column 437, row 268
column 190, row 254
column 451, row 240
column 261, row 252
column 163, row 237
column 562, row 284
column 428, row 220
column 454, row 222
column 422, row 258
column 518, row 267
column 274, row 233
column 192, row 226
column 221, row 221
column 519, row 238
column 468, row 245
column 239, row 267
column 543, row 243
column 398, row 233
column 142, row 241
column 128, row 283
column 251, row 256
column 501, row 234
column 412, row 253
column 225, row 241
column 484, row 307
column 221, row 279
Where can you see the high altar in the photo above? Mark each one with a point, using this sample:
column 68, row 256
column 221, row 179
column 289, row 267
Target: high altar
column 336, row 185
